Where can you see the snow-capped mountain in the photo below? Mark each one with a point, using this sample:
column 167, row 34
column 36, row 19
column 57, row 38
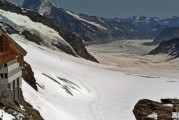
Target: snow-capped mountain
column 65, row 19
column 143, row 22
column 171, row 22
column 89, row 28
column 46, row 36
column 40, row 30
column 149, row 26
column 96, row 29
column 41, row 6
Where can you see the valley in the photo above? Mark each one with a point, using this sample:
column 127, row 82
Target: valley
column 130, row 56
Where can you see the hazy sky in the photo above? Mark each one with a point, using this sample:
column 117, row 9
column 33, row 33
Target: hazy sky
column 121, row 8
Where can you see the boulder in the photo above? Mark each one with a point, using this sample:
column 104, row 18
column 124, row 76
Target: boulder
column 145, row 108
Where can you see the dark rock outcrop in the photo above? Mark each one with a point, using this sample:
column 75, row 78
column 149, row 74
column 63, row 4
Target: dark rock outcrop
column 145, row 107
column 28, row 75
column 170, row 101
column 8, row 29
column 21, row 110
column 79, row 46
column 32, row 37
column 170, row 47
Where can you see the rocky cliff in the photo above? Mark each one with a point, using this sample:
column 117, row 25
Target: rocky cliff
column 28, row 75
column 170, row 47
column 20, row 110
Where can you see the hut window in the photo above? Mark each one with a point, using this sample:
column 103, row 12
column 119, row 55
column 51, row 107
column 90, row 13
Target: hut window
column 1, row 75
column 5, row 65
column 5, row 75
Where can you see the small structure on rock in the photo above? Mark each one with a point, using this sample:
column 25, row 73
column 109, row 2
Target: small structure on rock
column 11, row 62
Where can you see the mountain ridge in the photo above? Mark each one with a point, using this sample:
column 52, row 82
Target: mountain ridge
column 167, row 34
column 89, row 28
column 170, row 47
column 71, row 38
column 93, row 29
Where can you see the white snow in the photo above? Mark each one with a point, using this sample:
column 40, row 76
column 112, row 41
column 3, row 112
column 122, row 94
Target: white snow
column 116, row 28
column 153, row 115
column 22, row 23
column 98, row 94
column 175, row 115
column 6, row 116
column 89, row 22
column 22, row 107
column 100, row 20
column 44, row 8
column 170, row 105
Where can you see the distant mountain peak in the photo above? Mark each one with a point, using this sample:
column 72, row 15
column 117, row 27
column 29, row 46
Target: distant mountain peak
column 42, row 6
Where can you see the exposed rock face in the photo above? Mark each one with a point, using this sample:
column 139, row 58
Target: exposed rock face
column 36, row 4
column 168, row 34
column 80, row 49
column 21, row 110
column 144, row 108
column 8, row 29
column 170, row 101
column 32, row 37
column 170, row 47
column 28, row 75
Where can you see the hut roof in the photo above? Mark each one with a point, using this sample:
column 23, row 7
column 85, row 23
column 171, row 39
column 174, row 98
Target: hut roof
column 13, row 44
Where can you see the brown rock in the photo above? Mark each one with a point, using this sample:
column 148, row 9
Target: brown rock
column 176, row 108
column 146, row 107
column 170, row 101
column 28, row 75
column 21, row 110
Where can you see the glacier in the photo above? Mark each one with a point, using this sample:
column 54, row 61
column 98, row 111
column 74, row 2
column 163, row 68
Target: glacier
column 75, row 89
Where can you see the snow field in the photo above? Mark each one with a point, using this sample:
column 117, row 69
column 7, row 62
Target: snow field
column 73, row 91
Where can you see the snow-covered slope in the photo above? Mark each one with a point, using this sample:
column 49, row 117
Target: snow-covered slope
column 48, row 36
column 5, row 116
column 89, row 22
column 72, row 91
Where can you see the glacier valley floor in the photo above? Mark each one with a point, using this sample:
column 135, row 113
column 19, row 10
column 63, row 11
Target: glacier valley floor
column 75, row 89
